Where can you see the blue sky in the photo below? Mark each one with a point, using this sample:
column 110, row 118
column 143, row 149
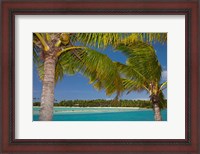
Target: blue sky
column 77, row 87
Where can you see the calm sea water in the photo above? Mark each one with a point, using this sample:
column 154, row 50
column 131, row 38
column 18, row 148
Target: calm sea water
column 100, row 114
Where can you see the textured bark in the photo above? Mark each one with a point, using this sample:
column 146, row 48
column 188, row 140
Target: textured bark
column 47, row 98
column 157, row 114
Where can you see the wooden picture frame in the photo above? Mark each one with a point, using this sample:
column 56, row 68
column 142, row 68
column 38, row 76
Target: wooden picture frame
column 7, row 106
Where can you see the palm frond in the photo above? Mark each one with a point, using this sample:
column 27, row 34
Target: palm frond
column 40, row 69
column 69, row 63
column 131, row 73
column 154, row 37
column 162, row 101
column 101, row 71
column 99, row 40
column 68, row 49
column 36, row 54
column 42, row 40
column 142, row 58
column 149, row 38
column 131, row 85
column 59, row 73
column 163, row 85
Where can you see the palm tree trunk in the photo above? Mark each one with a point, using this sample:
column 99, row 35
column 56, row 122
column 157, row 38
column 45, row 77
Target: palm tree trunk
column 157, row 114
column 47, row 98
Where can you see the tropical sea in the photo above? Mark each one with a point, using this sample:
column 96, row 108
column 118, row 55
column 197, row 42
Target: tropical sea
column 101, row 114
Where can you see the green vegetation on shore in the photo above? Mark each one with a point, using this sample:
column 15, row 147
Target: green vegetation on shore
column 106, row 103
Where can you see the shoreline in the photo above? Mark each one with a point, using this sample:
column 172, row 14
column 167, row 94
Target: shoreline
column 136, row 108
column 90, row 110
column 132, row 108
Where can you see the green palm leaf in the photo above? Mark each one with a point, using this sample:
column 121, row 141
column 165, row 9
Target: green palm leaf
column 99, row 40
column 162, row 101
column 142, row 62
column 131, row 85
column 163, row 85
column 154, row 37
column 101, row 71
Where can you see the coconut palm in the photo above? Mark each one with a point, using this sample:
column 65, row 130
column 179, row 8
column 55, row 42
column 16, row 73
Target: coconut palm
column 142, row 71
column 57, row 54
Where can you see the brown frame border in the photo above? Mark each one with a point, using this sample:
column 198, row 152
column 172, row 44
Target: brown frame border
column 11, row 8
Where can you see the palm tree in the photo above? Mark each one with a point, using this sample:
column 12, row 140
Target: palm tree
column 57, row 54
column 142, row 71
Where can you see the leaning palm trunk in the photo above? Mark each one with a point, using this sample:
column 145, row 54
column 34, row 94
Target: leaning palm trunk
column 156, row 108
column 47, row 98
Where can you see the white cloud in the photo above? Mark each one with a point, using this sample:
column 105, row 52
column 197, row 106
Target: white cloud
column 108, row 99
column 141, row 98
column 164, row 75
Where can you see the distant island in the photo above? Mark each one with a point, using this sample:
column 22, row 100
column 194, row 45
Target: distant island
column 105, row 103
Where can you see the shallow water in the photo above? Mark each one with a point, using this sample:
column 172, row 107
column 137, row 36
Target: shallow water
column 101, row 114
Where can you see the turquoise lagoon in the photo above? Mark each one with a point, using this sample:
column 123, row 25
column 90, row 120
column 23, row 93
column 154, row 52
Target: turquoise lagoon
column 101, row 114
